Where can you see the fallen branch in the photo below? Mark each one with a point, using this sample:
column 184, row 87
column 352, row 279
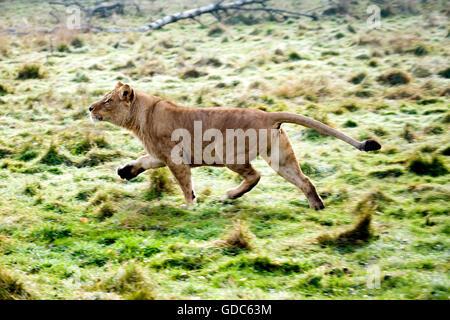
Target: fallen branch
column 280, row 11
column 216, row 9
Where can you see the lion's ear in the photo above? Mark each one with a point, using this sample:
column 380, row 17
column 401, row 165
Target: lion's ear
column 119, row 84
column 126, row 93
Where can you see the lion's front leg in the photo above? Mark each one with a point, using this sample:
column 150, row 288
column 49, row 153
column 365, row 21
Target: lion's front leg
column 133, row 168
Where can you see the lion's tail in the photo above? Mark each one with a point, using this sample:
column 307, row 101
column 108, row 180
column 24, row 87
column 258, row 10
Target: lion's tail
column 281, row 117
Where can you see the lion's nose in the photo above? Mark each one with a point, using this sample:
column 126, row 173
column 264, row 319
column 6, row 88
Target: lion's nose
column 91, row 108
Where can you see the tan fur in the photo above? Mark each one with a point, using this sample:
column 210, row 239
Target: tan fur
column 153, row 119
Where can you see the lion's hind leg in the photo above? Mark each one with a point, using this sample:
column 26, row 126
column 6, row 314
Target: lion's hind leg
column 287, row 167
column 251, row 178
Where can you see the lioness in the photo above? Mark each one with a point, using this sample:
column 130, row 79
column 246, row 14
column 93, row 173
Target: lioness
column 154, row 120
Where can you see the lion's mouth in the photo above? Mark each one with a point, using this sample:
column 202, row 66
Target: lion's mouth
column 95, row 118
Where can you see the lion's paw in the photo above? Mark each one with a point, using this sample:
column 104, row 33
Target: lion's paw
column 127, row 172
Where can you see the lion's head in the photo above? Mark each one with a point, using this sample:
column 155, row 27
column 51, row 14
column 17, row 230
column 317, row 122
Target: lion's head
column 115, row 106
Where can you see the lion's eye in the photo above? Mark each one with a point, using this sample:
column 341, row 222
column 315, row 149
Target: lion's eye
column 107, row 101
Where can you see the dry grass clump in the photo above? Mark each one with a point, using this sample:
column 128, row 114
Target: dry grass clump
column 238, row 236
column 408, row 133
column 147, row 66
column 160, row 183
column 408, row 44
column 357, row 79
column 211, row 61
column 106, row 210
column 12, row 288
column 373, row 39
column 445, row 92
column 64, row 36
column 163, row 45
column 192, row 73
column 404, row 92
column 421, row 72
column 130, row 282
column 311, row 88
column 394, row 78
column 216, row 31
column 361, row 231
column 77, row 43
column 104, row 195
column 29, row 71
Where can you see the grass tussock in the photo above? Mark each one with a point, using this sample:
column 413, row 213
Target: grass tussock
column 79, row 143
column 421, row 72
column 357, row 79
column 53, row 158
column 77, row 43
column 214, row 62
column 445, row 73
column 106, row 210
column 29, row 71
column 421, row 166
column 3, row 90
column 266, row 265
column 11, row 288
column 394, row 78
column 160, row 183
column 361, row 231
column 408, row 133
column 192, row 73
column 310, row 88
column 238, row 237
column 103, row 195
column 96, row 157
column 404, row 92
column 130, row 282
column 294, row 56
column 216, row 31
column 31, row 188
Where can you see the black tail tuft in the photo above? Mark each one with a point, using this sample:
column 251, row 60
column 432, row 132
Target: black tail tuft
column 370, row 145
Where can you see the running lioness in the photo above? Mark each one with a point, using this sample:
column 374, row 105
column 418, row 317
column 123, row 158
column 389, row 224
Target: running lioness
column 155, row 120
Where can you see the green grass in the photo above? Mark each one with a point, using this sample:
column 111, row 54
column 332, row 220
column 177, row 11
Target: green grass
column 70, row 229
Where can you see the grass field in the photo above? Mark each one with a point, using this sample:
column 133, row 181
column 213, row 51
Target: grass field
column 70, row 229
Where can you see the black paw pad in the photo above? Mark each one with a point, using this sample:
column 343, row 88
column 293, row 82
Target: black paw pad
column 126, row 172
